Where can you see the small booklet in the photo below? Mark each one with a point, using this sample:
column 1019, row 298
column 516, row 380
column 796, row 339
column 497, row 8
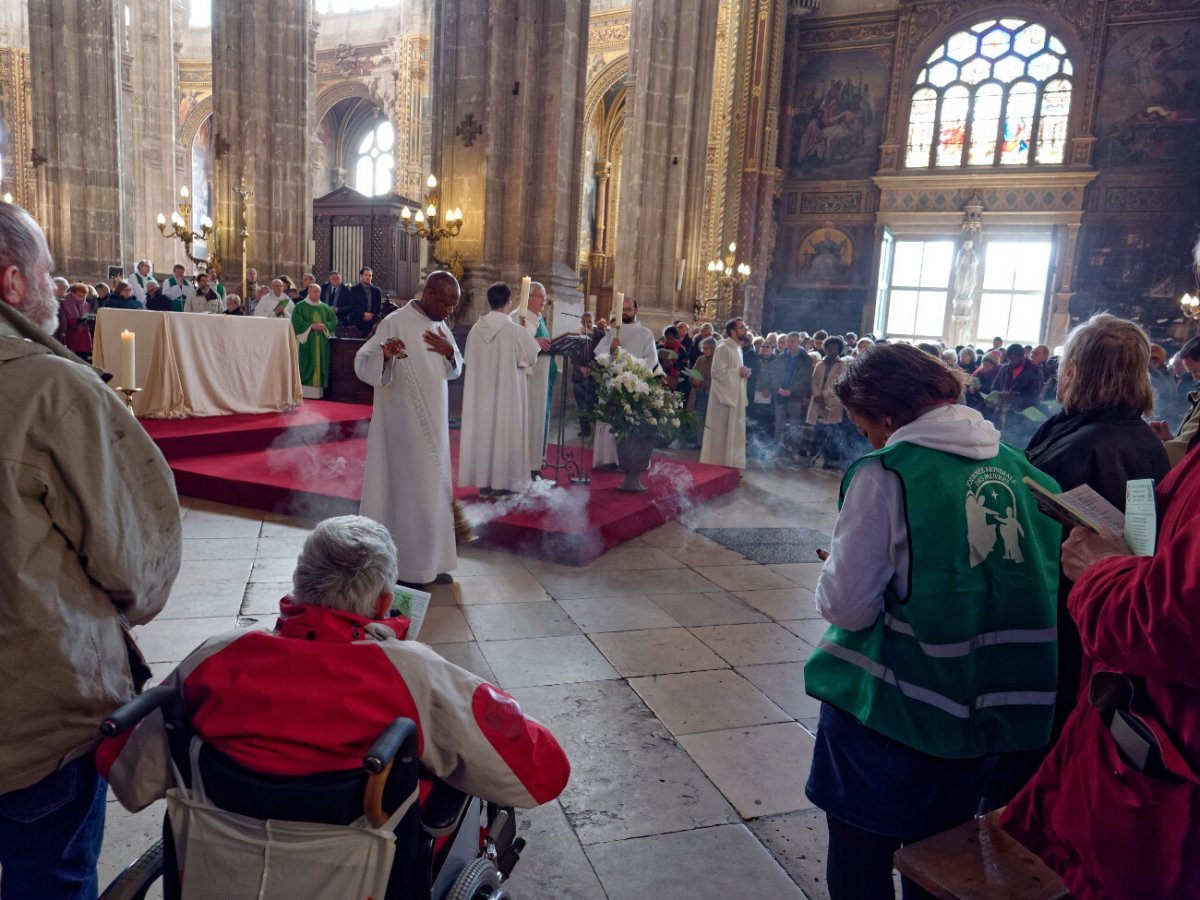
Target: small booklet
column 412, row 603
column 1083, row 507
column 1079, row 506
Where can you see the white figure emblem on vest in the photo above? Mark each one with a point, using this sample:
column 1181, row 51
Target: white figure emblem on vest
column 992, row 519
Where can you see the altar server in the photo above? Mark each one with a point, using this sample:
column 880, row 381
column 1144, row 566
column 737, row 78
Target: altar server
column 494, row 454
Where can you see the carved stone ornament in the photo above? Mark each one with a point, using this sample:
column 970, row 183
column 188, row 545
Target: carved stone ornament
column 468, row 129
column 346, row 59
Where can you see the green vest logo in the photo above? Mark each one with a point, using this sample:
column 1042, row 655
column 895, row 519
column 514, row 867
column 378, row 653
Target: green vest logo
column 992, row 522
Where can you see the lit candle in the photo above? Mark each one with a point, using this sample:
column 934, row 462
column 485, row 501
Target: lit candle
column 128, row 369
column 617, row 311
column 523, row 304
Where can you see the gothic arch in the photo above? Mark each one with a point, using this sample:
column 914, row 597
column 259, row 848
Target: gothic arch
column 196, row 116
column 599, row 84
column 340, row 91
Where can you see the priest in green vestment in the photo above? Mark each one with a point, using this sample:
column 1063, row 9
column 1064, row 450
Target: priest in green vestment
column 315, row 323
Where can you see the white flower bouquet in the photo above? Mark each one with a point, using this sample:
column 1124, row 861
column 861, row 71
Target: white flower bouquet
column 631, row 399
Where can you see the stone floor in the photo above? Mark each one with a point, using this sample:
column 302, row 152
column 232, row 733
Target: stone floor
column 670, row 669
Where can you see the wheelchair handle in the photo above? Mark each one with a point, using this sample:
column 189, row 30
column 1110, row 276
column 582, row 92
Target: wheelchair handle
column 129, row 714
column 400, row 739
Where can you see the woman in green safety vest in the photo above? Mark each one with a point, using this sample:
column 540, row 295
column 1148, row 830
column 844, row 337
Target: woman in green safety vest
column 940, row 589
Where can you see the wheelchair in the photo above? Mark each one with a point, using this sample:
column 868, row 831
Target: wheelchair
column 449, row 847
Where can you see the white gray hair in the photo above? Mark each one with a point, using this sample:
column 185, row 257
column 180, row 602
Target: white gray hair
column 346, row 563
column 19, row 245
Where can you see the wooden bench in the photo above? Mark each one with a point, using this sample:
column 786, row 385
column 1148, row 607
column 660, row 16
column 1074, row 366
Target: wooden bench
column 978, row 860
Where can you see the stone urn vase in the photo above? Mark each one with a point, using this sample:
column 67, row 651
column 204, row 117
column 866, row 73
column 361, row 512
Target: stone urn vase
column 633, row 458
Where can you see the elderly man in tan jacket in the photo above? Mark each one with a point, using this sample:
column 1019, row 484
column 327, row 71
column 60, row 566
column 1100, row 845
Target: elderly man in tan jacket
column 91, row 544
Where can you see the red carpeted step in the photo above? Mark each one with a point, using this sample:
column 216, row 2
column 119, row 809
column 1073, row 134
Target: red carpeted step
column 314, row 421
column 306, row 466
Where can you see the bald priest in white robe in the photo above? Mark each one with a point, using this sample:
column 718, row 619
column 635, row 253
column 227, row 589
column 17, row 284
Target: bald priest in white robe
column 537, row 376
column 724, row 441
column 408, row 487
column 494, row 453
column 638, row 340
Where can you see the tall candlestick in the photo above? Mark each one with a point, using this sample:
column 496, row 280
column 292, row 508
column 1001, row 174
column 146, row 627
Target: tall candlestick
column 523, row 304
column 128, row 369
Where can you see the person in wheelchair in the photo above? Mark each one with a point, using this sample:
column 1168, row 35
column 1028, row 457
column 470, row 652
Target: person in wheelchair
column 313, row 694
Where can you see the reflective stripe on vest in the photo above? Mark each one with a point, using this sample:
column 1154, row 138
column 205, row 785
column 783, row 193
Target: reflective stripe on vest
column 965, row 648
column 932, row 698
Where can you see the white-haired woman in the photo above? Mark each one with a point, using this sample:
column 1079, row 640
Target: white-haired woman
column 313, row 694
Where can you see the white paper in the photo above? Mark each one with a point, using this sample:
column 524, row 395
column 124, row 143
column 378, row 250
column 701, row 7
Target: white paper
column 414, row 604
column 1141, row 517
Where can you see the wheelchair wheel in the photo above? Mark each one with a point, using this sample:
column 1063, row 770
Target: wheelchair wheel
column 137, row 877
column 478, row 881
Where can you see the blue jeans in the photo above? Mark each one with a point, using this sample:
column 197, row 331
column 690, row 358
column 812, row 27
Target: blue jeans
column 50, row 835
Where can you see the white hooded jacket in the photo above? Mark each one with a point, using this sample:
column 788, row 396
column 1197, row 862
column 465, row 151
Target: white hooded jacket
column 870, row 549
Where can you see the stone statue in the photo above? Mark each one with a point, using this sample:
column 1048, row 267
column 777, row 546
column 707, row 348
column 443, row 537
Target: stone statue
column 966, row 271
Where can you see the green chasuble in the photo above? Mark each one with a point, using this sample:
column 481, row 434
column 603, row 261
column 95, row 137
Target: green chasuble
column 314, row 349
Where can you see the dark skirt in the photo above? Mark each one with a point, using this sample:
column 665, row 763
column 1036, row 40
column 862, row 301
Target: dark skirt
column 885, row 787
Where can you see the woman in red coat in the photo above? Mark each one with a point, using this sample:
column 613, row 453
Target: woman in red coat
column 76, row 334
column 1115, row 808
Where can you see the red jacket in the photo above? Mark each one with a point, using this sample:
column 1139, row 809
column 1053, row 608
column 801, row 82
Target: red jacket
column 313, row 695
column 1109, row 830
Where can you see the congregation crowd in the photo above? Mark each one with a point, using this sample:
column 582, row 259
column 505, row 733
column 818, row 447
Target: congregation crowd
column 978, row 655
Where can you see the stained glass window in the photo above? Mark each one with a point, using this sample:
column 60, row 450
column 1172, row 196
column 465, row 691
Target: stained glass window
column 985, row 124
column 1018, row 124
column 1052, row 134
column 920, row 126
column 995, row 91
column 952, row 132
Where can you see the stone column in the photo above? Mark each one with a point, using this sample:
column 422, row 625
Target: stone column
column 75, row 53
column 151, row 98
column 598, row 259
column 264, row 72
column 666, row 141
column 508, row 86
column 762, row 28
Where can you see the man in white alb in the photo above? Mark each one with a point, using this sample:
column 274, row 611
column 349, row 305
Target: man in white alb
column 637, row 340
column 275, row 304
column 141, row 277
column 176, row 288
column 407, row 486
column 537, row 377
column 725, row 423
column 494, row 454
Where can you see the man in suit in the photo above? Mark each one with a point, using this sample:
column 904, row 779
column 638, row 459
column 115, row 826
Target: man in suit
column 365, row 301
column 337, row 296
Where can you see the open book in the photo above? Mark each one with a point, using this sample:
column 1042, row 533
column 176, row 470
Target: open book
column 1083, row 507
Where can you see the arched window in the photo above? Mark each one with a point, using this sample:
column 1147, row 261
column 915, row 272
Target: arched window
column 375, row 160
column 997, row 94
column 200, row 14
column 334, row 7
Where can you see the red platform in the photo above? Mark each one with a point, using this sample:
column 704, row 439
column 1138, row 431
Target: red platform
column 310, row 463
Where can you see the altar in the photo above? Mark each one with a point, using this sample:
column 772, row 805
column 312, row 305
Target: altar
column 192, row 364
